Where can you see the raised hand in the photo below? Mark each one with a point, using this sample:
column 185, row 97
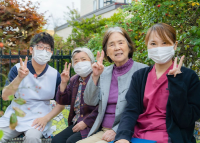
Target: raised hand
column 65, row 74
column 176, row 70
column 23, row 70
column 98, row 67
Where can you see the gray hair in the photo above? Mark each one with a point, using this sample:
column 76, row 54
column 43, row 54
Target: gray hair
column 115, row 29
column 83, row 49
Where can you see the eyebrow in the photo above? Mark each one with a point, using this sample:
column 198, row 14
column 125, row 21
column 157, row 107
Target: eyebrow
column 117, row 41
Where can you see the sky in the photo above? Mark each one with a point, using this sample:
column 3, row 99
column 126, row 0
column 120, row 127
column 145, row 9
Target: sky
column 56, row 9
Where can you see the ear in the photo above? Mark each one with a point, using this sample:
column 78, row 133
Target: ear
column 175, row 46
column 31, row 50
column 52, row 52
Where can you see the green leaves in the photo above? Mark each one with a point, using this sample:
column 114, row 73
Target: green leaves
column 11, row 97
column 20, row 101
column 1, row 134
column 19, row 112
column 13, row 121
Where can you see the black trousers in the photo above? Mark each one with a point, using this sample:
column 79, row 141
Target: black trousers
column 67, row 136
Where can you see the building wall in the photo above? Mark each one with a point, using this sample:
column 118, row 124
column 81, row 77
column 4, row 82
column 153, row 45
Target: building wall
column 86, row 7
column 108, row 14
column 64, row 32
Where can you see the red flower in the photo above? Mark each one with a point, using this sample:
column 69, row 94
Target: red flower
column 35, row 75
column 158, row 5
column 36, row 87
column 29, row 109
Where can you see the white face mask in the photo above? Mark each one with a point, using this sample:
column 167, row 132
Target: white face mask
column 41, row 57
column 161, row 55
column 83, row 69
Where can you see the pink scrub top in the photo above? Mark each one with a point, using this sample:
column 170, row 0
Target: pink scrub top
column 151, row 124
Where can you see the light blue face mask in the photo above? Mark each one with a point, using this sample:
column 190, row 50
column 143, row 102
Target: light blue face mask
column 83, row 69
column 161, row 55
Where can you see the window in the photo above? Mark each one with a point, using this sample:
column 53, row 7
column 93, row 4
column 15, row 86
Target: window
column 129, row 1
column 94, row 5
column 101, row 3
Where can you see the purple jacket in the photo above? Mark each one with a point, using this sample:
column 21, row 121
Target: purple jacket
column 88, row 113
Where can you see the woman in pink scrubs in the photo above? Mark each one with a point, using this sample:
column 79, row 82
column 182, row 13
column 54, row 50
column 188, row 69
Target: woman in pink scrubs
column 163, row 101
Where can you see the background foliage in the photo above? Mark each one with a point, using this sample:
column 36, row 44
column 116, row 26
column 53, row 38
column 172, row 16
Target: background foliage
column 137, row 18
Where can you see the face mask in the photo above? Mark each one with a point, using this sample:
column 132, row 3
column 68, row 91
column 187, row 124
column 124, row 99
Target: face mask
column 41, row 57
column 161, row 55
column 83, row 69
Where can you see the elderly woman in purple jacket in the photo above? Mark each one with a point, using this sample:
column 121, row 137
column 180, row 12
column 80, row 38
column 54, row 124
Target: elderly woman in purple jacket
column 82, row 116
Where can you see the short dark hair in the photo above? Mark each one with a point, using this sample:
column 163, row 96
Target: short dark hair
column 43, row 37
column 125, row 34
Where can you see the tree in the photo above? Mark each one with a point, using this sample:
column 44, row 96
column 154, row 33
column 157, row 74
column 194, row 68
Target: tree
column 72, row 15
column 138, row 17
column 18, row 23
column 84, row 29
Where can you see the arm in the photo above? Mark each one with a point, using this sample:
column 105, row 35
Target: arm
column 11, row 88
column 91, row 93
column 131, row 111
column 90, row 118
column 184, row 99
column 16, row 77
column 63, row 96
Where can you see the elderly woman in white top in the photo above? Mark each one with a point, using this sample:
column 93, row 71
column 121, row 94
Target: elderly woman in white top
column 108, row 86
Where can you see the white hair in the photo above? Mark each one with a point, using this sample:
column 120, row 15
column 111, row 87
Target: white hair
column 115, row 29
column 82, row 49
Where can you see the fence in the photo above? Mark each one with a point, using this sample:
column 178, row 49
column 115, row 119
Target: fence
column 57, row 61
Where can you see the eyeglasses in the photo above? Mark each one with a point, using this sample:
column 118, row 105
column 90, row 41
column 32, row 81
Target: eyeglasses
column 41, row 48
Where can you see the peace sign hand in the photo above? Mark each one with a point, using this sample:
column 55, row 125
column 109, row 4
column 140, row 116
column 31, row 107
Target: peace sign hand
column 65, row 74
column 23, row 70
column 98, row 67
column 176, row 70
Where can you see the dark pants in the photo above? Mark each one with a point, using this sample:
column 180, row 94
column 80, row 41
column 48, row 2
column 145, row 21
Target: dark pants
column 67, row 136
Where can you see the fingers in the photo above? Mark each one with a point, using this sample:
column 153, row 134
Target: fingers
column 99, row 65
column 175, row 63
column 181, row 62
column 69, row 67
column 34, row 123
column 103, row 137
column 22, row 71
column 75, row 128
column 94, row 65
column 102, row 56
column 25, row 62
column 66, row 66
column 21, row 63
column 98, row 56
